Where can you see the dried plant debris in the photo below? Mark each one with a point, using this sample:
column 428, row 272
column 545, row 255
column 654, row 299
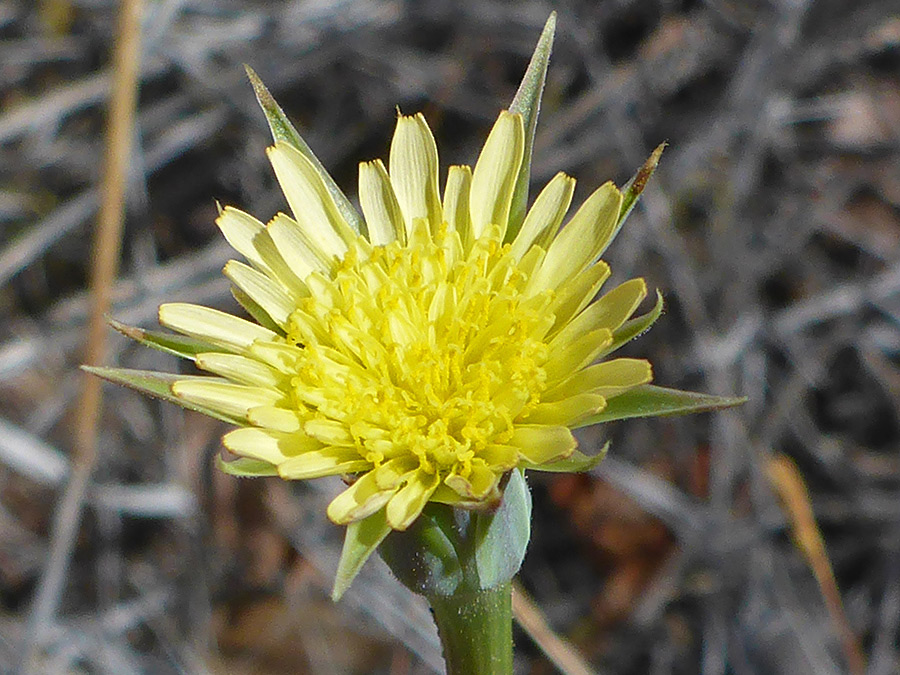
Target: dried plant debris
column 772, row 227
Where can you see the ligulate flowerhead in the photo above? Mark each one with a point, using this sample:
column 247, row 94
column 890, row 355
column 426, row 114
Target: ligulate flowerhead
column 426, row 359
column 428, row 348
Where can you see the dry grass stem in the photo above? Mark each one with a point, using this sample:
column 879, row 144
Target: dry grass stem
column 120, row 135
column 558, row 651
column 789, row 484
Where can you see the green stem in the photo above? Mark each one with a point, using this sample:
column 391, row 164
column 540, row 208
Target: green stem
column 463, row 562
column 475, row 627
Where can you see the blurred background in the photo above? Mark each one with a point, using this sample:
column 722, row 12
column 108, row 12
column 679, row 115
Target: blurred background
column 772, row 227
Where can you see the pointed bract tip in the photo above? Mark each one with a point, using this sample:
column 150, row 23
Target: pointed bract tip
column 548, row 33
column 126, row 330
column 528, row 96
column 639, row 182
column 654, row 157
column 252, row 76
column 633, row 188
column 550, row 24
column 527, row 102
column 266, row 101
column 338, row 591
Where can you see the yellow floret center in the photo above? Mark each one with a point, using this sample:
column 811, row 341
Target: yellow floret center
column 416, row 350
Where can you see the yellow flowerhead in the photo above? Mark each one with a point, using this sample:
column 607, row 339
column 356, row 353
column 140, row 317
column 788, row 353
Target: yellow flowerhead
column 428, row 358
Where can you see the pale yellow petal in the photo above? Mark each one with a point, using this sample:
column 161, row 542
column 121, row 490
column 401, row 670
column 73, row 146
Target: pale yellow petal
column 566, row 411
column 545, row 215
column 512, row 399
column 577, row 293
column 275, row 418
column 262, row 290
column 240, row 229
column 608, row 379
column 276, row 267
column 308, row 329
column 500, row 457
column 413, row 169
column 568, row 356
column 211, row 325
column 583, row 238
column 456, row 201
column 309, row 199
column 368, row 494
column 610, row 311
column 227, row 397
column 442, row 308
column 270, row 446
column 282, row 357
column 480, row 482
column 539, row 443
column 301, row 250
column 239, row 369
column 529, row 263
column 444, row 494
column 379, row 204
column 392, row 474
column 495, row 175
column 324, row 462
column 407, row 503
column 361, row 499
column 616, row 307
column 329, row 432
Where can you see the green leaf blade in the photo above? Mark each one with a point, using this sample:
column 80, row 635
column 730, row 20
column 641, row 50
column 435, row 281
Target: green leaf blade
column 651, row 401
column 527, row 102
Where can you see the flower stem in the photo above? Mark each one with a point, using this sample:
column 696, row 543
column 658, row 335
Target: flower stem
column 475, row 627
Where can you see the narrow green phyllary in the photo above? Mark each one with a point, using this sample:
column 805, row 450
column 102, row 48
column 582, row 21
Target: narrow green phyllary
column 429, row 350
